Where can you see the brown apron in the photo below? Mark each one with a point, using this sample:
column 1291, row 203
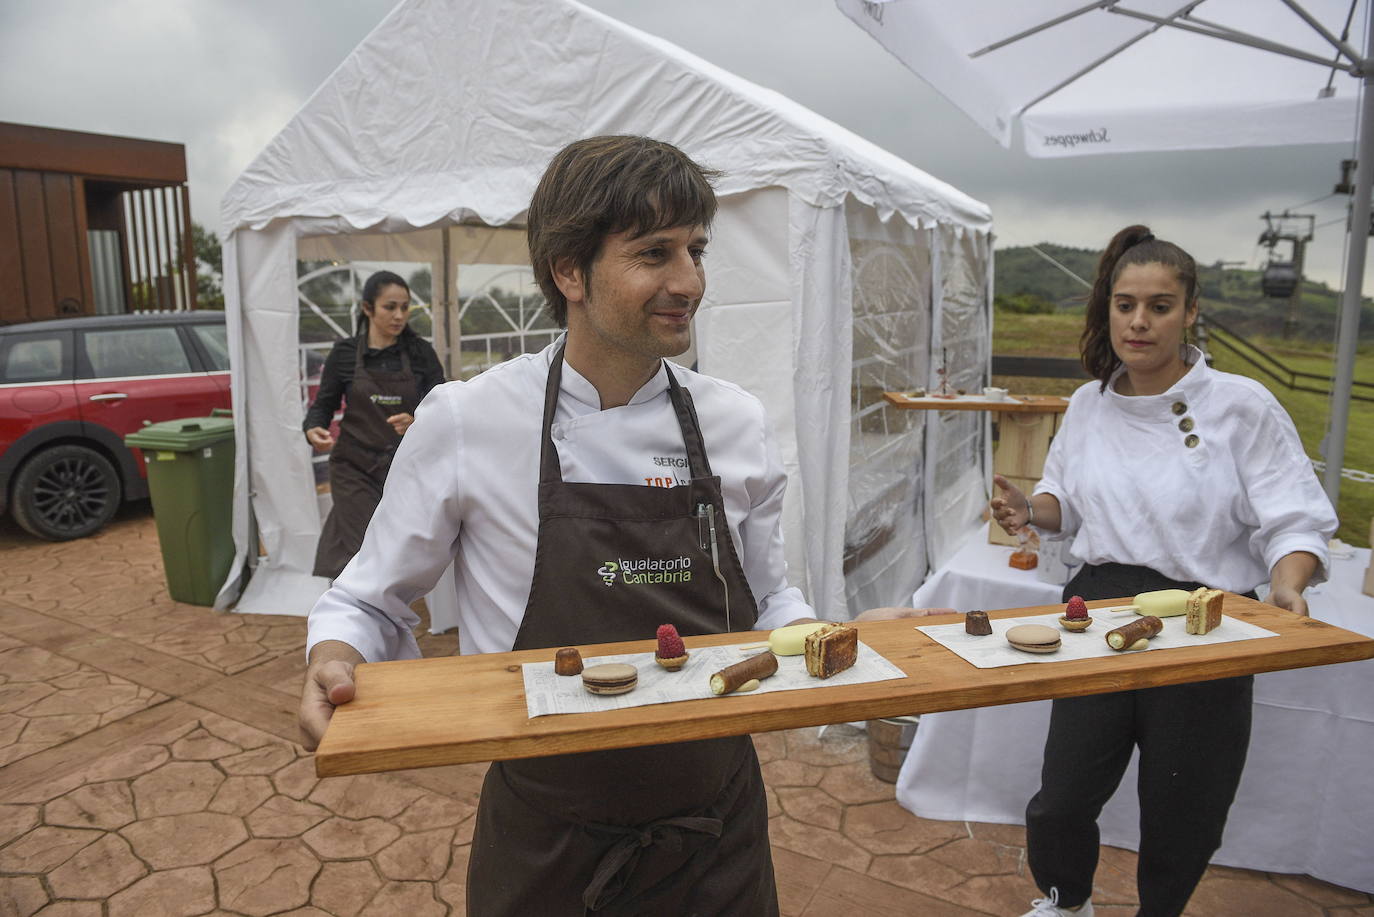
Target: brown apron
column 361, row 458
column 678, row 829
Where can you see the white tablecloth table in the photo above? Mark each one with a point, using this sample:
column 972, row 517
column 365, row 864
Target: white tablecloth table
column 1305, row 803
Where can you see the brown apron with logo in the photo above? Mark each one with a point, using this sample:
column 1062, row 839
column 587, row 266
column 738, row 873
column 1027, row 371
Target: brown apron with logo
column 668, row 830
column 361, row 458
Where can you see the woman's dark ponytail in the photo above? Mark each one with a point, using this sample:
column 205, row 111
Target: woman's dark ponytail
column 1132, row 245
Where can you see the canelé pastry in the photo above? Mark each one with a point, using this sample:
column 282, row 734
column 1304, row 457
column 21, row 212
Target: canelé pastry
column 1125, row 636
column 1033, row 638
column 977, row 623
column 1204, row 610
column 735, row 677
column 567, row 661
column 831, row 650
column 610, row 678
column 671, row 654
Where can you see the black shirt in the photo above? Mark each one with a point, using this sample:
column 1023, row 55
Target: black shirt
column 337, row 375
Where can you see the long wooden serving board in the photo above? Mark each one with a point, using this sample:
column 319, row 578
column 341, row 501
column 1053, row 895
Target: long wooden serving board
column 461, row 709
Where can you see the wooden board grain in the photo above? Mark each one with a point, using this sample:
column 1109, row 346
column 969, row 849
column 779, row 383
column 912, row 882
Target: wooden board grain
column 1024, row 404
column 430, row 712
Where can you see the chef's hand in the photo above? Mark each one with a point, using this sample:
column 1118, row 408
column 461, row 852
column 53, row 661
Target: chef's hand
column 400, row 423
column 893, row 612
column 1010, row 510
column 328, row 683
column 319, row 438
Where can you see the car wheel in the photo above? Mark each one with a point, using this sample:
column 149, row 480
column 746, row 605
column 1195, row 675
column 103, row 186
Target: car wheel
column 65, row 492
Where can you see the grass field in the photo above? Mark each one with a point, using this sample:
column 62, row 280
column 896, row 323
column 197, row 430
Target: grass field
column 1057, row 336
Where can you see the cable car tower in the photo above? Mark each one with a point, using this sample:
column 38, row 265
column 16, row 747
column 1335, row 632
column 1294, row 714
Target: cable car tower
column 1282, row 279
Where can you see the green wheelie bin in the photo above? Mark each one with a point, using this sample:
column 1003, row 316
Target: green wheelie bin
column 191, row 481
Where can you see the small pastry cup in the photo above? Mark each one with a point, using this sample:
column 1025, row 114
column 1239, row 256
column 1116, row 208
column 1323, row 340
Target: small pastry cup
column 1074, row 625
column 672, row 664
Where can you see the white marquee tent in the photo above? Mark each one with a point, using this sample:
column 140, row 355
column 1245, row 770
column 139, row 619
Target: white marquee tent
column 836, row 270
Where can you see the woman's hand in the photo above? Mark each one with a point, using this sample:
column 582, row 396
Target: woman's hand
column 319, row 438
column 893, row 612
column 1289, row 578
column 1289, row 598
column 1011, row 510
column 400, row 423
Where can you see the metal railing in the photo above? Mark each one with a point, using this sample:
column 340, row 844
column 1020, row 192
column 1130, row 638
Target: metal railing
column 1276, row 369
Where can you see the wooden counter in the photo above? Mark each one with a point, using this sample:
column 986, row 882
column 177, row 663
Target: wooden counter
column 1015, row 404
column 428, row 712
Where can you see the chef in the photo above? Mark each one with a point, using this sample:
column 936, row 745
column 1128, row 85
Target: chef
column 530, row 478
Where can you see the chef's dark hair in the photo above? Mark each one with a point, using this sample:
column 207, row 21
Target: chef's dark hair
column 373, row 287
column 1132, row 245
column 604, row 185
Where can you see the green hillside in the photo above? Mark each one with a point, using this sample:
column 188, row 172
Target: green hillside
column 1025, row 282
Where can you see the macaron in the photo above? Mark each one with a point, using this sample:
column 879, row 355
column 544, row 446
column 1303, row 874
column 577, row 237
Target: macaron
column 1033, row 638
column 610, row 678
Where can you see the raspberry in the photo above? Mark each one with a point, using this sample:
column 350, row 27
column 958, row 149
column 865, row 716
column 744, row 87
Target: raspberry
column 669, row 643
column 1076, row 610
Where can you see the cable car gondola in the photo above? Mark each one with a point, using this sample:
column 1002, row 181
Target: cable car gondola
column 1279, row 280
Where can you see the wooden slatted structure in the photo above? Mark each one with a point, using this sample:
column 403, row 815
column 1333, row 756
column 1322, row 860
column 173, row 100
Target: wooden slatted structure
column 92, row 223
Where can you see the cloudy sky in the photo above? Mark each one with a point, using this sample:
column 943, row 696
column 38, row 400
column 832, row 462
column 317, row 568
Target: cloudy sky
column 223, row 76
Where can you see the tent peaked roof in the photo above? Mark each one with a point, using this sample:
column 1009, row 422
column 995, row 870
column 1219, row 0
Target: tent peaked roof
column 452, row 109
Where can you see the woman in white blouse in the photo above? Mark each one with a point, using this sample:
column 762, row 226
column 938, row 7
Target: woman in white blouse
column 1165, row 473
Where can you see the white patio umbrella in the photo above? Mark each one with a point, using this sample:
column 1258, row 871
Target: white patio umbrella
column 1116, row 76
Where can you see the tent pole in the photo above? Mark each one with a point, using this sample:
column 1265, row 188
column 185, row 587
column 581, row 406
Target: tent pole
column 1352, row 295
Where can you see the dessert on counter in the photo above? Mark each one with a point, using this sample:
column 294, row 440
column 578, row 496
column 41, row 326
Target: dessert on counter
column 567, row 661
column 610, row 678
column 1033, row 638
column 1203, row 610
column 736, row 677
column 977, row 624
column 831, row 649
column 671, row 654
column 1075, row 617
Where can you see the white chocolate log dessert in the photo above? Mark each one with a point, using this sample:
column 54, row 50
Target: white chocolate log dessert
column 1162, row 603
column 1204, row 610
column 735, row 677
column 791, row 640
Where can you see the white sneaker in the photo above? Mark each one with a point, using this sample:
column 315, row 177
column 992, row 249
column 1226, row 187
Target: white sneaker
column 1049, row 907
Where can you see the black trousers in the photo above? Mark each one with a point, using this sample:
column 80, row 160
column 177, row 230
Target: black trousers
column 1193, row 739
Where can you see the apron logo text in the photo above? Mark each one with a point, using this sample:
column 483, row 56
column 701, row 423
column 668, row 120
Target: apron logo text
column 646, row 571
column 388, row 400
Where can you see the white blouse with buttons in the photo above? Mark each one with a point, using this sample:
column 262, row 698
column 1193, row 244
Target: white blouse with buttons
column 1207, row 482
column 464, row 488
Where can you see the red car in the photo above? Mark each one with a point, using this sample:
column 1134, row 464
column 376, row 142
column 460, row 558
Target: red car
column 71, row 389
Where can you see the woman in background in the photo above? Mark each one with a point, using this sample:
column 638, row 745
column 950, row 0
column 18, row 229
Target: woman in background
column 1165, row 474
column 381, row 375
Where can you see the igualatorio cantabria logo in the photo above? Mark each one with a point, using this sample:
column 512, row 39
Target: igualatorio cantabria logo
column 646, row 571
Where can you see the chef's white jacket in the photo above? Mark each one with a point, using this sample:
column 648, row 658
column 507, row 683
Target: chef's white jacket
column 463, row 487
column 1207, row 482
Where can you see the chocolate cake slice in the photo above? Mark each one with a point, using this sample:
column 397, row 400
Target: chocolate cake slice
column 830, row 650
